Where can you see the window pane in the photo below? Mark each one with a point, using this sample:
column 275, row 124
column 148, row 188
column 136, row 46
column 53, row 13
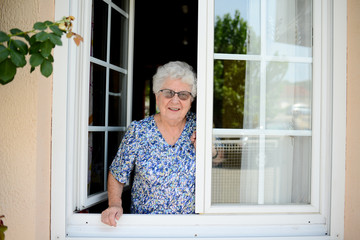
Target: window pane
column 123, row 4
column 235, row 157
column 96, row 162
column 288, row 96
column 289, row 28
column 117, row 99
column 97, row 93
column 245, row 173
column 287, row 170
column 236, row 94
column 118, row 39
column 99, row 29
column 237, row 26
column 113, row 145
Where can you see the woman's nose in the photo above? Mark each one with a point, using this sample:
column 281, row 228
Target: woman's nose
column 175, row 98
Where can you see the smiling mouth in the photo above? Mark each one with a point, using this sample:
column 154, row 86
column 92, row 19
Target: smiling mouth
column 174, row 109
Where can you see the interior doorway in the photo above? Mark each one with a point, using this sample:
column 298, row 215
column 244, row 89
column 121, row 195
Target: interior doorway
column 164, row 31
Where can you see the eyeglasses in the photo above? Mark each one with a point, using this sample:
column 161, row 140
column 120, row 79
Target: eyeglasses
column 183, row 95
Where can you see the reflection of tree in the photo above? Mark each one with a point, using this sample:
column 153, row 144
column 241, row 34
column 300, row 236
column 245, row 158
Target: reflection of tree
column 230, row 34
column 229, row 76
column 237, row 82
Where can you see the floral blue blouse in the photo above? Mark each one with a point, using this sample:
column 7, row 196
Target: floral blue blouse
column 164, row 181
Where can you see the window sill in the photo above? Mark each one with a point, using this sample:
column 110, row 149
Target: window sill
column 198, row 226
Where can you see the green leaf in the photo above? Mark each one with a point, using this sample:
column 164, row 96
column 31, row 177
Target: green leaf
column 42, row 36
column 55, row 39
column 46, row 48
column 3, row 228
column 36, row 59
column 21, row 46
column 7, row 71
column 46, row 68
column 50, row 58
column 18, row 32
column 15, row 31
column 40, row 26
column 4, row 53
column 56, row 30
column 32, row 40
column 32, row 69
column 17, row 58
column 35, row 47
column 4, row 37
column 48, row 23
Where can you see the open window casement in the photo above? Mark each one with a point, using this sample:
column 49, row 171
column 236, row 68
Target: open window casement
column 105, row 93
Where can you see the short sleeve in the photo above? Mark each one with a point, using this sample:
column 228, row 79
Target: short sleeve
column 124, row 160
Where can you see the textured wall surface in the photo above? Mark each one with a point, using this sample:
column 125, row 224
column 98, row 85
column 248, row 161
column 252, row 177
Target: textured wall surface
column 352, row 195
column 25, row 127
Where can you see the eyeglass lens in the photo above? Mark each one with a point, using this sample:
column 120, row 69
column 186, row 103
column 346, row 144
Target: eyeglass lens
column 183, row 95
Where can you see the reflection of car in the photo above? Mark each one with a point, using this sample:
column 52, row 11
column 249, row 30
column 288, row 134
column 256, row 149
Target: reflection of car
column 300, row 109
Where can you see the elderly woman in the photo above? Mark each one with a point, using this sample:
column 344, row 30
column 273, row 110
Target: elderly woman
column 160, row 150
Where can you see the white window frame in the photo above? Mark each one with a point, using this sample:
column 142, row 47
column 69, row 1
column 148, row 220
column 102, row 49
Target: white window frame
column 67, row 225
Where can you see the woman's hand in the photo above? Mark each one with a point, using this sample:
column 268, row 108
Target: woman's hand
column 115, row 210
column 109, row 215
column 193, row 139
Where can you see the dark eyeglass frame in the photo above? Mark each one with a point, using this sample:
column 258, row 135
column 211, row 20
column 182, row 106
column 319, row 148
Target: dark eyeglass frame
column 183, row 95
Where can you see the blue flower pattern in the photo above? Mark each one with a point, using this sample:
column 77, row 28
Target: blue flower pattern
column 164, row 181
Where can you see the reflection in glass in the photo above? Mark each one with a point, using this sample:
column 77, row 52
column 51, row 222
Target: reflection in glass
column 118, row 53
column 237, row 26
column 99, row 29
column 123, row 4
column 245, row 173
column 97, row 91
column 234, row 156
column 117, row 99
column 289, row 28
column 236, row 94
column 288, row 96
column 287, row 170
column 96, row 162
column 114, row 139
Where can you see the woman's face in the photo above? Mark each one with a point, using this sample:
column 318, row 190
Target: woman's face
column 173, row 108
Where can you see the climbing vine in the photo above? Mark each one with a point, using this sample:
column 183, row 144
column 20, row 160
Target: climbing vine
column 38, row 43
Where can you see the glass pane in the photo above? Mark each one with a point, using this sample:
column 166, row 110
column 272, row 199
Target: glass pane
column 236, row 94
column 99, row 29
column 117, row 99
column 118, row 39
column 97, row 93
column 288, row 96
column 123, row 4
column 287, row 170
column 235, row 170
column 96, row 162
column 237, row 26
column 113, row 145
column 245, row 173
column 289, row 28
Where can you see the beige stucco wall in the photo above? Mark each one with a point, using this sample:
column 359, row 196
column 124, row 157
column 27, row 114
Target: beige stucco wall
column 25, row 127
column 352, row 195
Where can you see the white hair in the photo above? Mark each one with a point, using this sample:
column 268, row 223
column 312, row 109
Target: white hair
column 175, row 70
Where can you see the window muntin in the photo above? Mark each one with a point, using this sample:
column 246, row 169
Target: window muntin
column 262, row 104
